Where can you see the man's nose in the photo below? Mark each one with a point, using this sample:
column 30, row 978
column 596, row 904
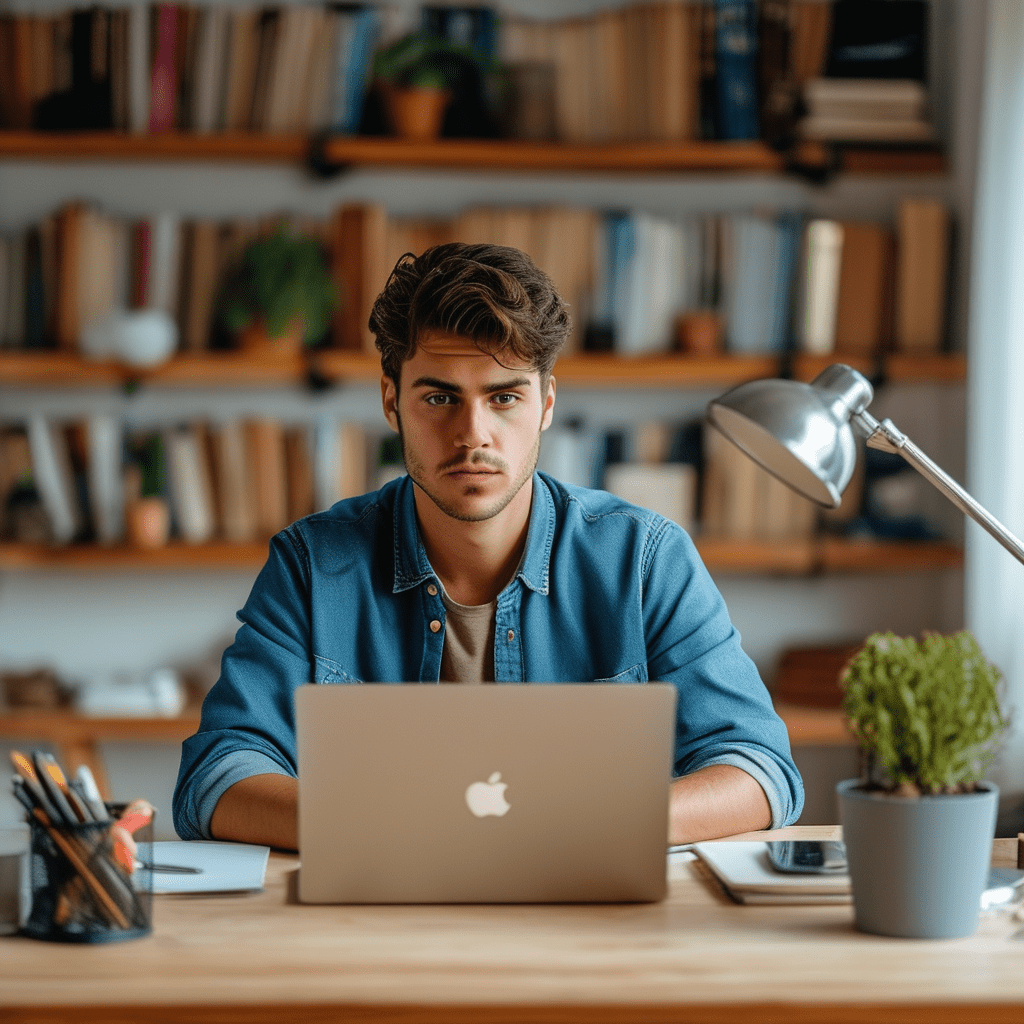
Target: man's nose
column 471, row 430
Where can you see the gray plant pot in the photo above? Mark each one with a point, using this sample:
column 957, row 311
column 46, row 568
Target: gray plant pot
column 918, row 866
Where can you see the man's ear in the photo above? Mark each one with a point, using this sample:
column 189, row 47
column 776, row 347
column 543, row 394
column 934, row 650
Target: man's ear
column 389, row 400
column 549, row 405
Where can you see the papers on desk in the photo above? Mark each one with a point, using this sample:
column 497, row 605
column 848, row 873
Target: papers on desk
column 224, row 867
column 748, row 877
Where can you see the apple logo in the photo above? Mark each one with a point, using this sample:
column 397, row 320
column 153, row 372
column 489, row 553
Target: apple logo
column 488, row 798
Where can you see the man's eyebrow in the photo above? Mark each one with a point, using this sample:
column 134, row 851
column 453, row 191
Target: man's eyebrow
column 456, row 389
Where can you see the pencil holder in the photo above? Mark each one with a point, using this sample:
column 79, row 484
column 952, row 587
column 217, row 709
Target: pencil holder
column 83, row 889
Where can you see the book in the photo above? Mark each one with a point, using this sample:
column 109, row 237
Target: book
column 163, row 80
column 922, row 271
column 201, row 279
column 863, row 304
column 233, row 487
column 240, row 68
column 819, row 295
column 189, row 483
column 736, row 69
column 897, row 98
column 54, row 477
column 878, row 39
column 139, row 77
column 668, row 488
column 745, row 872
column 207, row 85
column 298, row 447
column 359, row 239
column 106, row 479
column 265, row 453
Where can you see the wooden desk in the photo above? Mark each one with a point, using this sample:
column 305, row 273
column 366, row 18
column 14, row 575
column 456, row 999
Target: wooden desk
column 695, row 958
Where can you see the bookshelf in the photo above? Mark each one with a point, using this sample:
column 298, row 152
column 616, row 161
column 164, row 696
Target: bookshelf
column 171, row 602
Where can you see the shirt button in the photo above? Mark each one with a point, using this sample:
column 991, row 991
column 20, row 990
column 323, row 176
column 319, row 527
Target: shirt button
column 432, row 590
column 511, row 635
column 435, row 626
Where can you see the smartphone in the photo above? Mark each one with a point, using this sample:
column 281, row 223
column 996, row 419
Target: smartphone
column 807, row 856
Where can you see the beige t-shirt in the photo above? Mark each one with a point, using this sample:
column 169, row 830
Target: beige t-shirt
column 468, row 653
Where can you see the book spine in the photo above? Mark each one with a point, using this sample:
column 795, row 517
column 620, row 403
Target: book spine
column 163, row 80
column 736, row 69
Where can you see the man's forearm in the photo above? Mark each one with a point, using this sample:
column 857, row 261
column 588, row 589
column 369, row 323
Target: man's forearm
column 719, row 800
column 262, row 809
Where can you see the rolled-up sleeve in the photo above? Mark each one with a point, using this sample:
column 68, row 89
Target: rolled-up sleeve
column 248, row 719
column 725, row 713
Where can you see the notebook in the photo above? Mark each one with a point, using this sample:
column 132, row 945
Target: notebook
column 505, row 793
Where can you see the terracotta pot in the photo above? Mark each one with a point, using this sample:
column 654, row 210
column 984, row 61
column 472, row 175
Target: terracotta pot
column 255, row 340
column 148, row 522
column 699, row 333
column 417, row 113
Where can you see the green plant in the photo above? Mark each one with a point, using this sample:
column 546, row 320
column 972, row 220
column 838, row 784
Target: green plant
column 281, row 277
column 926, row 714
column 423, row 60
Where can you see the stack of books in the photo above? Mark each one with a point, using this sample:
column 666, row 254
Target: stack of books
column 746, row 874
column 866, row 110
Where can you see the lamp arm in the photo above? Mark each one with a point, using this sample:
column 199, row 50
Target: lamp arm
column 886, row 437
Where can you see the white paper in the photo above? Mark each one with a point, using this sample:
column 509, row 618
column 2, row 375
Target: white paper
column 226, row 867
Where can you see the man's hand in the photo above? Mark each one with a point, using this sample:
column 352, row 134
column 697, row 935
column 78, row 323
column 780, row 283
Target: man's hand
column 263, row 809
column 716, row 801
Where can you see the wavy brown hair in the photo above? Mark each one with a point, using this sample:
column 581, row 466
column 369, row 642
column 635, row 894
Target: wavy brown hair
column 492, row 294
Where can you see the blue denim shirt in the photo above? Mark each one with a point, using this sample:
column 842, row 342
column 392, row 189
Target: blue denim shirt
column 605, row 592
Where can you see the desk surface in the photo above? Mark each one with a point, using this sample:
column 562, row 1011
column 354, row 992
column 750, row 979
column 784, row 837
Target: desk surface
column 696, row 957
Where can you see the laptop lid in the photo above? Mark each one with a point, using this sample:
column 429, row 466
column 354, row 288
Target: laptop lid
column 501, row 793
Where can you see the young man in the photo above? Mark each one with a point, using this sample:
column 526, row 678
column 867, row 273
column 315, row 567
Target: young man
column 475, row 568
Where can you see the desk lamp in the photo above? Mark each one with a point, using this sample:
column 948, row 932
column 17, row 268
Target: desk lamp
column 804, row 434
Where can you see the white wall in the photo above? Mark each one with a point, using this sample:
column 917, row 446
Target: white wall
column 995, row 581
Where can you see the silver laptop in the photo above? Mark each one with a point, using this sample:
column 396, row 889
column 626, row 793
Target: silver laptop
column 505, row 793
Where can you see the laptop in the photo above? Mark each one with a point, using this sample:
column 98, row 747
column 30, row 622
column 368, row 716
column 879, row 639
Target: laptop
column 504, row 793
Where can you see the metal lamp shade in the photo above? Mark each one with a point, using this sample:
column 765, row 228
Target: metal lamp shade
column 800, row 433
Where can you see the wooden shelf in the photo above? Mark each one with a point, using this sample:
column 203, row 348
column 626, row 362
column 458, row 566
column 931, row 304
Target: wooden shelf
column 76, row 737
column 722, row 556
column 232, row 369
column 176, row 555
column 826, row 555
column 472, row 154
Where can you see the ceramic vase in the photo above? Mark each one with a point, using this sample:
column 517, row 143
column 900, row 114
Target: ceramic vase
column 918, row 865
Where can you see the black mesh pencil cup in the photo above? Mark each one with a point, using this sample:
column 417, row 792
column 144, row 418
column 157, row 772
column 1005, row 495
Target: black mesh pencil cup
column 83, row 885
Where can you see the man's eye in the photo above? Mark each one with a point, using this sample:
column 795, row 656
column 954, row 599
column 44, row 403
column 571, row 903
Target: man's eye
column 506, row 399
column 438, row 399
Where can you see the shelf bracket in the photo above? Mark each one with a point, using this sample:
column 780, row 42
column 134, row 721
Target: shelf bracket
column 317, row 162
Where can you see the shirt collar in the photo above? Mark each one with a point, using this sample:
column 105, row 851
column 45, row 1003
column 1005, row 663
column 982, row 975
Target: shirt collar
column 412, row 566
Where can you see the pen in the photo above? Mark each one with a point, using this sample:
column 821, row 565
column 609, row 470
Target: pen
column 91, row 792
column 170, row 869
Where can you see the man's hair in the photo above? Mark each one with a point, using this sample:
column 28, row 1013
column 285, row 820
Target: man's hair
column 492, row 294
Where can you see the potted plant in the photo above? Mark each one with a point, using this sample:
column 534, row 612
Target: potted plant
column 281, row 293
column 918, row 825
column 417, row 75
column 147, row 515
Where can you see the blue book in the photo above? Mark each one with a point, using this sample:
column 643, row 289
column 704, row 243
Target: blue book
column 736, row 69
column 357, row 30
column 789, row 228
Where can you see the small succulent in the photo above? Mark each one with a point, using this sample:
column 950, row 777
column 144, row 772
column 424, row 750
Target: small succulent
column 926, row 713
column 423, row 60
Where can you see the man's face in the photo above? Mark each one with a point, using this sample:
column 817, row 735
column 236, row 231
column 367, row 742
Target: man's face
column 470, row 427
